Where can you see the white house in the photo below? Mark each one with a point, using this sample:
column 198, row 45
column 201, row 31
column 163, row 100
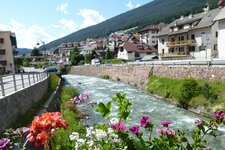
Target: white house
column 221, row 33
column 149, row 33
column 193, row 36
column 133, row 51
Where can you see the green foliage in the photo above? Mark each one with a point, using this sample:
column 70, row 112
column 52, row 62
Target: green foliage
column 124, row 106
column 188, row 91
column 108, row 54
column 105, row 77
column 114, row 61
column 76, row 57
column 209, row 93
column 104, row 109
column 35, row 52
column 25, row 62
column 65, row 69
column 72, row 115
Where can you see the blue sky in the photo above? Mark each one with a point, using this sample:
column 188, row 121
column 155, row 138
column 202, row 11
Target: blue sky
column 47, row 20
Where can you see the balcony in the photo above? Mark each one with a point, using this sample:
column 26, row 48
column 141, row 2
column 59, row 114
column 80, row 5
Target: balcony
column 2, row 51
column 181, row 43
column 3, row 62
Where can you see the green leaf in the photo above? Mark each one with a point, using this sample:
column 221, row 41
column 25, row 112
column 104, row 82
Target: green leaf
column 104, row 109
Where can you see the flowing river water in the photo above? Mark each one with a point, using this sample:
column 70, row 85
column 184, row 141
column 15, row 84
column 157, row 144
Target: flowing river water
column 142, row 104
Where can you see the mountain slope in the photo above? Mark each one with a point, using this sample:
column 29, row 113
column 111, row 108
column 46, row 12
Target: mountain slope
column 153, row 12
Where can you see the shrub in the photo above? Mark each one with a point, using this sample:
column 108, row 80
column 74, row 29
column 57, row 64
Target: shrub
column 209, row 93
column 189, row 89
column 105, row 77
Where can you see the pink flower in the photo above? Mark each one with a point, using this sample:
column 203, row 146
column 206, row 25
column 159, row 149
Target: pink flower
column 134, row 130
column 116, row 125
column 3, row 143
column 88, row 95
column 166, row 131
column 81, row 97
column 219, row 114
column 144, row 121
column 198, row 123
column 170, row 132
column 166, row 123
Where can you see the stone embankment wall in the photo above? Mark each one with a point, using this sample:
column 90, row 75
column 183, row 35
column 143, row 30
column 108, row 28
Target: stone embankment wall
column 138, row 75
column 14, row 105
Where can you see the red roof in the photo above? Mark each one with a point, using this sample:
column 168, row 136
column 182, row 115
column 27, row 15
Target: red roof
column 138, row 48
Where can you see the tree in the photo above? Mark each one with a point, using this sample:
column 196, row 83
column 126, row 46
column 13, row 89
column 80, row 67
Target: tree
column 75, row 56
column 108, row 54
column 25, row 62
column 35, row 52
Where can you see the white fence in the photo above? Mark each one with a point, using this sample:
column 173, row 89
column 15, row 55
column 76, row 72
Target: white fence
column 15, row 82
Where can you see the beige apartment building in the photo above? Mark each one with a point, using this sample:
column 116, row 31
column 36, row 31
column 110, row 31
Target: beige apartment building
column 7, row 45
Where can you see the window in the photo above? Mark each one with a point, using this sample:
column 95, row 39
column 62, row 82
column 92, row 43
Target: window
column 137, row 55
column 215, row 47
column 1, row 40
column 163, row 41
column 192, row 49
column 216, row 34
column 153, row 41
column 192, row 36
column 162, row 51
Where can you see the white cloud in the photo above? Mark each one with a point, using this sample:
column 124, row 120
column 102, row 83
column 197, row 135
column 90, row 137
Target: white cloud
column 68, row 24
column 62, row 8
column 27, row 36
column 90, row 17
column 138, row 5
column 129, row 5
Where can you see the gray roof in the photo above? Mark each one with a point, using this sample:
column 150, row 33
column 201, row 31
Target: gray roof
column 202, row 20
column 221, row 15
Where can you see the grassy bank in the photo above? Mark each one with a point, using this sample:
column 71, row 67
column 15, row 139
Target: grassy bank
column 27, row 118
column 208, row 95
column 72, row 115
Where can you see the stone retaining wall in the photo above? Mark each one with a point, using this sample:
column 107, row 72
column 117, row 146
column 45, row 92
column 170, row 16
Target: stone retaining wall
column 14, row 105
column 138, row 75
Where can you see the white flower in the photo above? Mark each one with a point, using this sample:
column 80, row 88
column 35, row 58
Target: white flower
column 100, row 134
column 80, row 141
column 114, row 120
column 110, row 131
column 74, row 136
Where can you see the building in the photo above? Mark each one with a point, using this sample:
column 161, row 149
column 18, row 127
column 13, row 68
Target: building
column 7, row 46
column 221, row 33
column 193, row 36
column 149, row 33
column 135, row 51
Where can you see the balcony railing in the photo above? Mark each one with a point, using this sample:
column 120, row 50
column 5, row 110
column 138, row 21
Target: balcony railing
column 181, row 43
column 174, row 54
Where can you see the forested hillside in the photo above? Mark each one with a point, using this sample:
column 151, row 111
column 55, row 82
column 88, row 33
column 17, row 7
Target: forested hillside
column 151, row 13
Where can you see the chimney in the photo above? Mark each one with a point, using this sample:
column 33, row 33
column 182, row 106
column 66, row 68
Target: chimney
column 190, row 16
column 181, row 17
column 206, row 9
column 220, row 4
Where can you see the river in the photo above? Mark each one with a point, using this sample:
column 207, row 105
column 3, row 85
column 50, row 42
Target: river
column 142, row 104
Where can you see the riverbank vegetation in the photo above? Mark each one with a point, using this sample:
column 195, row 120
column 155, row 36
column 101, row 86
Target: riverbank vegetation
column 189, row 92
column 72, row 115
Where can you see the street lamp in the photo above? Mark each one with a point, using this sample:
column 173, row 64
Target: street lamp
column 43, row 43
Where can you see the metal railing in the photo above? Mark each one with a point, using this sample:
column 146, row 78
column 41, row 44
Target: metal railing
column 15, row 82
